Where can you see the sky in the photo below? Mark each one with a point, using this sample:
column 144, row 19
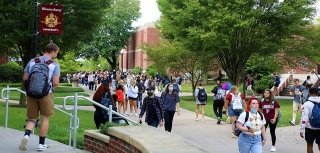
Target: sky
column 150, row 12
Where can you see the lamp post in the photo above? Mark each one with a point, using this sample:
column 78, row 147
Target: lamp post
column 35, row 27
column 122, row 52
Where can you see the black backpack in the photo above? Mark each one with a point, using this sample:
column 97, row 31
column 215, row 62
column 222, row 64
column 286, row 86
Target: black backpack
column 236, row 131
column 202, row 95
column 37, row 85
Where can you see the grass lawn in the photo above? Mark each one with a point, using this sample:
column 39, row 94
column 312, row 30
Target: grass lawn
column 188, row 87
column 285, row 108
column 59, row 123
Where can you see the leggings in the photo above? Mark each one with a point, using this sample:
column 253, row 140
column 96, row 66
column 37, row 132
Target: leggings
column 272, row 131
column 168, row 118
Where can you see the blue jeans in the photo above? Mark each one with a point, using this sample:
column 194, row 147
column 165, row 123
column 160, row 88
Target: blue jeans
column 232, row 112
column 247, row 143
column 154, row 123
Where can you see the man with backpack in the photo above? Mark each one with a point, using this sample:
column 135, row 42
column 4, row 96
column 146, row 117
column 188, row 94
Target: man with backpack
column 41, row 76
column 310, row 120
column 218, row 100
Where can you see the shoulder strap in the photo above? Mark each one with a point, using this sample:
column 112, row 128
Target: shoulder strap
column 260, row 115
column 37, row 60
column 247, row 117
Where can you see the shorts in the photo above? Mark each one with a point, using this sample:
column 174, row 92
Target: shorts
column 44, row 105
column 232, row 112
column 120, row 100
column 311, row 135
column 131, row 98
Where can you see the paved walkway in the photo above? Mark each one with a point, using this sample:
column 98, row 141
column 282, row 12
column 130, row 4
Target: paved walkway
column 206, row 134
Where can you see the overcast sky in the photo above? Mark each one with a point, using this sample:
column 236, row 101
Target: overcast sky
column 150, row 12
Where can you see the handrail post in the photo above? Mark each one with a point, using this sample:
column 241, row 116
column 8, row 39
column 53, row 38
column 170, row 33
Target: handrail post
column 70, row 129
column 75, row 116
column 110, row 113
column 7, row 107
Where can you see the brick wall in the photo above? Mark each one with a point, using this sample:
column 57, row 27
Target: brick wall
column 115, row 145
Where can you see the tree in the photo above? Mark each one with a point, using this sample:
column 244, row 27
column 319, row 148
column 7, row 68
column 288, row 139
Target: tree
column 16, row 26
column 68, row 64
column 114, row 31
column 173, row 57
column 231, row 31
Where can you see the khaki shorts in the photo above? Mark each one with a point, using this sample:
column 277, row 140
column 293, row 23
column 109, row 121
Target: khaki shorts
column 44, row 105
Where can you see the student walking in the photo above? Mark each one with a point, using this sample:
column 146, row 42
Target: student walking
column 40, row 102
column 153, row 108
column 310, row 125
column 218, row 100
column 132, row 93
column 251, row 123
column 120, row 97
column 201, row 100
column 269, row 106
column 234, row 105
column 171, row 101
column 296, row 92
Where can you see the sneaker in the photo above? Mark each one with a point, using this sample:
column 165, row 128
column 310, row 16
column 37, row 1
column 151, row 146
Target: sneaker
column 42, row 147
column 202, row 119
column 273, row 149
column 23, row 143
column 197, row 119
column 292, row 123
column 136, row 115
column 219, row 122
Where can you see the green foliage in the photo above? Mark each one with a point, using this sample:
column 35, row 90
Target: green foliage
column 261, row 65
column 152, row 71
column 11, row 72
column 137, row 70
column 264, row 83
column 68, row 64
column 92, row 64
column 104, row 127
column 17, row 22
column 231, row 31
column 113, row 32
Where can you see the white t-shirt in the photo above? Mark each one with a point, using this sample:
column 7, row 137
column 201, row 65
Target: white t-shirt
column 254, row 122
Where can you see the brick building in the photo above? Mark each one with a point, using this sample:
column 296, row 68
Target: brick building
column 133, row 56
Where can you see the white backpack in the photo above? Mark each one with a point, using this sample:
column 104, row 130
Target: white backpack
column 236, row 102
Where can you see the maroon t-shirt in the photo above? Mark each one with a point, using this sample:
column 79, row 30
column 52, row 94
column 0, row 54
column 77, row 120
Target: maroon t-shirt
column 268, row 109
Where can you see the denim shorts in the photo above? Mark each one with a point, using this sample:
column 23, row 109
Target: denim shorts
column 247, row 143
column 232, row 112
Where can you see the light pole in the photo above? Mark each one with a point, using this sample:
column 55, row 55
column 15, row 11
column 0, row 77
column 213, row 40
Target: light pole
column 122, row 52
column 35, row 39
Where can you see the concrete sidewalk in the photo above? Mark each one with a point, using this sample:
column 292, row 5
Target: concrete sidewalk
column 10, row 140
column 215, row 138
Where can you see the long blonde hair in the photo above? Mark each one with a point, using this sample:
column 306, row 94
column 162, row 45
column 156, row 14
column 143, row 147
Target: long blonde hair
column 233, row 89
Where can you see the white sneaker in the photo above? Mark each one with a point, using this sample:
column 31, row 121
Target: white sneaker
column 136, row 115
column 197, row 119
column 202, row 119
column 42, row 147
column 273, row 149
column 24, row 143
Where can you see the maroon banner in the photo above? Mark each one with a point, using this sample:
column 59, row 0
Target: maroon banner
column 51, row 19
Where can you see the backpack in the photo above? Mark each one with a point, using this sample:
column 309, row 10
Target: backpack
column 202, row 95
column 314, row 119
column 38, row 84
column 176, row 88
column 277, row 80
column 106, row 101
column 236, row 102
column 279, row 113
column 236, row 131
column 220, row 94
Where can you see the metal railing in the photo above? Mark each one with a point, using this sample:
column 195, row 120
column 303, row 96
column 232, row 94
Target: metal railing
column 75, row 119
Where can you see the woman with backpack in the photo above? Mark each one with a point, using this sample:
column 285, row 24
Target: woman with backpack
column 97, row 97
column 218, row 99
column 170, row 101
column 234, row 105
column 270, row 109
column 201, row 100
column 251, row 124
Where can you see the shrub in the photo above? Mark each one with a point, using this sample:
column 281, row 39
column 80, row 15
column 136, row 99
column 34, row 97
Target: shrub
column 104, row 127
column 263, row 83
column 10, row 72
column 136, row 70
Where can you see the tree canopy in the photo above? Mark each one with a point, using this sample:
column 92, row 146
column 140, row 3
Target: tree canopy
column 17, row 25
column 114, row 31
column 232, row 31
